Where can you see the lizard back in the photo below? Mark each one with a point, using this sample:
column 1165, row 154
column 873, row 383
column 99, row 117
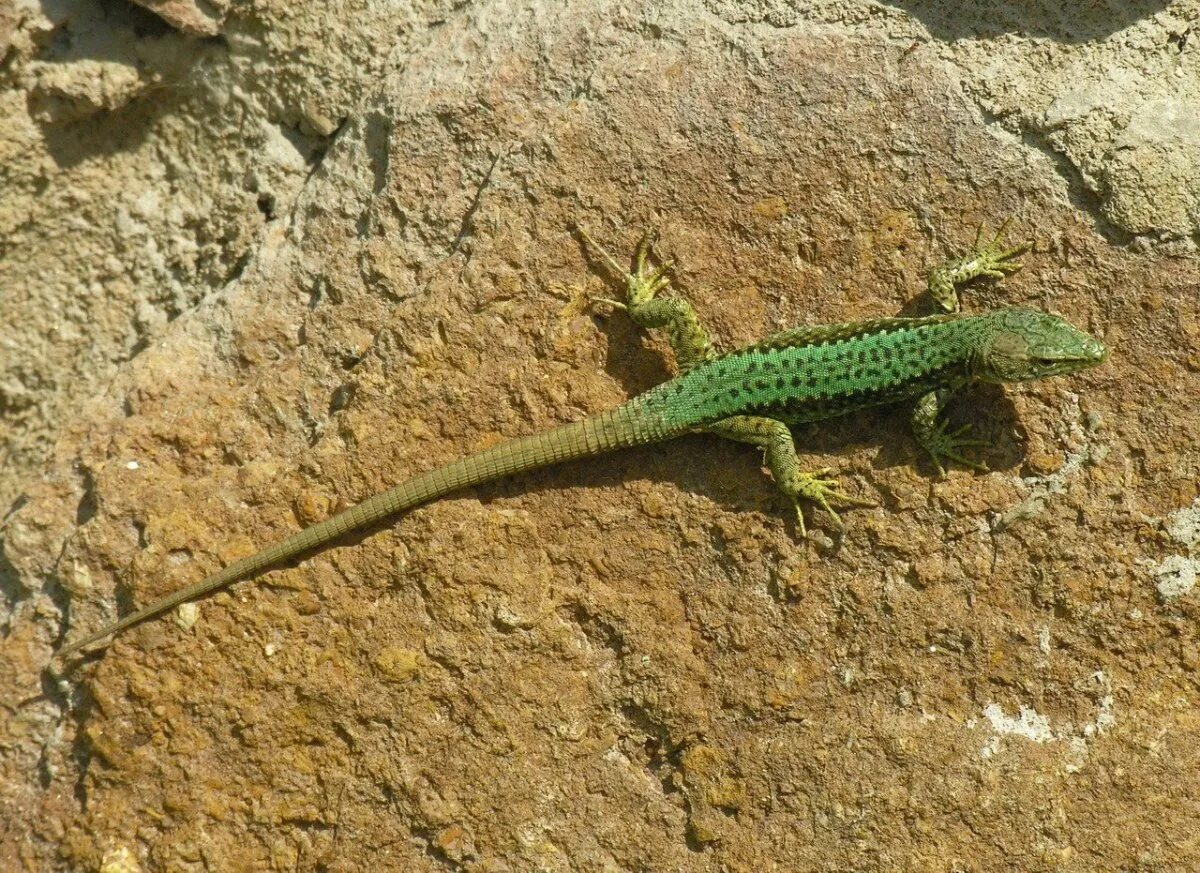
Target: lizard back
column 813, row 373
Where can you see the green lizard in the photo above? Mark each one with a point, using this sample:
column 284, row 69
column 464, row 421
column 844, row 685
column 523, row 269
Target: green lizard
column 750, row 395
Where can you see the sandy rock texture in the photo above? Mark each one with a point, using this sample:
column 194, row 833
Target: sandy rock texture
column 260, row 260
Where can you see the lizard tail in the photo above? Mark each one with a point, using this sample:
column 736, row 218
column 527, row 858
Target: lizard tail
column 630, row 424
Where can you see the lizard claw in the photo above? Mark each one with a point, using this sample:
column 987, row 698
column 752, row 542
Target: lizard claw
column 608, row 301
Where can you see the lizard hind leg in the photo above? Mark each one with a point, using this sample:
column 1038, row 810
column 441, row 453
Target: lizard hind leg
column 775, row 438
column 689, row 340
column 990, row 259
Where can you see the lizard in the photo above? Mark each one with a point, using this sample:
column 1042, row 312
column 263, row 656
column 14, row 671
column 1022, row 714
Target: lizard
column 753, row 394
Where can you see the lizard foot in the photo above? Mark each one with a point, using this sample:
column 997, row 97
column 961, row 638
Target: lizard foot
column 990, row 259
column 947, row 444
column 820, row 490
column 644, row 281
column 670, row 313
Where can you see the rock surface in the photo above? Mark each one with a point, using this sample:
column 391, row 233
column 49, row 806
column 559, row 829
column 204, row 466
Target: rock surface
column 252, row 279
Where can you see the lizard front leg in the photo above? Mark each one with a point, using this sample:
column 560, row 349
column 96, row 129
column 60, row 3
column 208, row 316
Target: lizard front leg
column 930, row 430
column 775, row 438
column 989, row 259
column 689, row 340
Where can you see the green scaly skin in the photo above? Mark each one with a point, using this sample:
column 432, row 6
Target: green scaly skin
column 750, row 395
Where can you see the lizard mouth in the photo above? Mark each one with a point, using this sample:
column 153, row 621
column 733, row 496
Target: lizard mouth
column 1092, row 353
column 1058, row 364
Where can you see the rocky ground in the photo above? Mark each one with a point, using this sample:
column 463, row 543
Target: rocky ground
column 260, row 260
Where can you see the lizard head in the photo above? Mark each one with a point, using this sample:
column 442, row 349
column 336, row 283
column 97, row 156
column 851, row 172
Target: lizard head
column 1024, row 344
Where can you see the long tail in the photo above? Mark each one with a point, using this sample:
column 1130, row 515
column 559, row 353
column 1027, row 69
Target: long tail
column 630, row 424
